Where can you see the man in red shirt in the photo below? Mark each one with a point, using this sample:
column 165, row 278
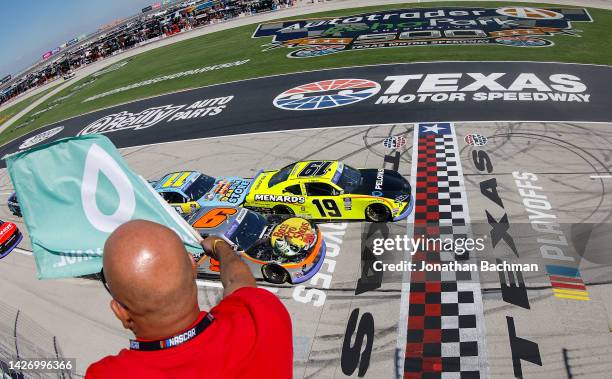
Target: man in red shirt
column 151, row 278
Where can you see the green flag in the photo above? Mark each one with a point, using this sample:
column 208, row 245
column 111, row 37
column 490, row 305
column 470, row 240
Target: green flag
column 73, row 193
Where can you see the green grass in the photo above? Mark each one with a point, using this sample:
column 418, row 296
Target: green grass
column 594, row 46
column 12, row 110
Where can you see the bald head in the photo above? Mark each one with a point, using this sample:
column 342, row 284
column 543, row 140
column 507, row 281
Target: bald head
column 149, row 271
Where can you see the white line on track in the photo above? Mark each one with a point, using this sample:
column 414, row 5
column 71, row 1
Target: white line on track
column 601, row 176
column 22, row 251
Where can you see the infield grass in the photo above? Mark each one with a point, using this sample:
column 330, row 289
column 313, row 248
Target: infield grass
column 12, row 110
column 593, row 46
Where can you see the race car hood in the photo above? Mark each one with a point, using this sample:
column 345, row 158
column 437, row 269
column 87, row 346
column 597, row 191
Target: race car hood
column 383, row 183
column 7, row 229
column 232, row 190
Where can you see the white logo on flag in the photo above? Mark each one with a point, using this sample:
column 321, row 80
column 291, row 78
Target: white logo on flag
column 99, row 161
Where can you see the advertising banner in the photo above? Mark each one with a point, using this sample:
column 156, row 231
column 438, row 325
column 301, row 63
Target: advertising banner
column 367, row 95
column 505, row 26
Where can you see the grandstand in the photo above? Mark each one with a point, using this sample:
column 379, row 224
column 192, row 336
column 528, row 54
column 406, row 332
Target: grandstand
column 154, row 23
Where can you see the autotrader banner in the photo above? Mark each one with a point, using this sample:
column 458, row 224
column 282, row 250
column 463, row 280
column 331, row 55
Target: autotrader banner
column 509, row 26
column 73, row 193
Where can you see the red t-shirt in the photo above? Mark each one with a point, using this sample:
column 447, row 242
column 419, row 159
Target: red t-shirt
column 249, row 338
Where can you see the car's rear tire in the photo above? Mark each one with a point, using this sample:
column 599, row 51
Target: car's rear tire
column 377, row 213
column 274, row 273
column 282, row 210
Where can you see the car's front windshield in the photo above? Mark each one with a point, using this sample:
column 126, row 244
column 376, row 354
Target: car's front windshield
column 249, row 230
column 281, row 175
column 199, row 187
column 350, row 179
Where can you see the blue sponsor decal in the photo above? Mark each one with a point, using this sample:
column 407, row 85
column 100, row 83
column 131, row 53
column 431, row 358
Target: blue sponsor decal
column 226, row 191
column 232, row 229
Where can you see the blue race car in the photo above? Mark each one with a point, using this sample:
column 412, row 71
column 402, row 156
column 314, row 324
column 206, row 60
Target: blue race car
column 187, row 191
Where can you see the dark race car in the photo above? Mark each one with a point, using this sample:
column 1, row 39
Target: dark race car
column 277, row 248
column 10, row 236
column 13, row 205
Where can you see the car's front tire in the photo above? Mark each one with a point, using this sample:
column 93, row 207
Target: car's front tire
column 377, row 213
column 283, row 210
column 274, row 273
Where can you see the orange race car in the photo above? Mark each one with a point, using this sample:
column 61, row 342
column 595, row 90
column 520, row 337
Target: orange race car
column 277, row 248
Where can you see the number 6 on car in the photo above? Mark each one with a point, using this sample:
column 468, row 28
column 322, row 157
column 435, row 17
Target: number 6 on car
column 277, row 248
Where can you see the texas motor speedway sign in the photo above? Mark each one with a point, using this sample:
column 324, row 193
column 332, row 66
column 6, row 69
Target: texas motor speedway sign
column 506, row 26
column 368, row 95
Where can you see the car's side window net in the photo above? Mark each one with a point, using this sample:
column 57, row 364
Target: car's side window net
column 295, row 189
column 319, row 189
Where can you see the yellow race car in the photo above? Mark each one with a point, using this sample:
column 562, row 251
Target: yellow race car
column 331, row 190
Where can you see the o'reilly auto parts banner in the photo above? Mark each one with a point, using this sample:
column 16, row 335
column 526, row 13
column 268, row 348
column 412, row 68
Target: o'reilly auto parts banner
column 384, row 94
column 508, row 26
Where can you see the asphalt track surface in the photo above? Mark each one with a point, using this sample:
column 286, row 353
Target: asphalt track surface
column 572, row 336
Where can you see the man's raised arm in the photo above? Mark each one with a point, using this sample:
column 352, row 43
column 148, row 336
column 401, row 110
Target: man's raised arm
column 235, row 273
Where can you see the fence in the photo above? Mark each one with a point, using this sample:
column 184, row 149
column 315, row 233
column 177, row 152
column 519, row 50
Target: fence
column 22, row 338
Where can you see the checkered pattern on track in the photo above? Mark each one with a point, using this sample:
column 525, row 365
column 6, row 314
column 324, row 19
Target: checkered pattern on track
column 445, row 332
